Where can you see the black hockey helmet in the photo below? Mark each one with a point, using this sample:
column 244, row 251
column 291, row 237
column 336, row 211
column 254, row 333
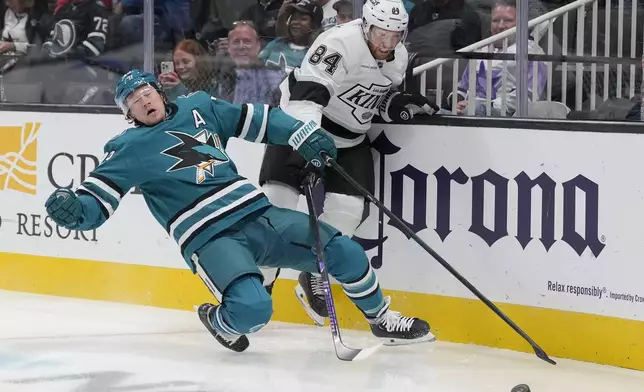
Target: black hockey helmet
column 309, row 7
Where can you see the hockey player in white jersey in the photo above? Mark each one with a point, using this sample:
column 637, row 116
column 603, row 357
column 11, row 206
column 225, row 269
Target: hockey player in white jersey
column 348, row 76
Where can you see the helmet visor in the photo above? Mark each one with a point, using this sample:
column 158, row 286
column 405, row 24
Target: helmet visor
column 141, row 94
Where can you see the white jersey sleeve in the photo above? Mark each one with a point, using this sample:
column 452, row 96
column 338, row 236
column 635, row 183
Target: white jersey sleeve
column 319, row 78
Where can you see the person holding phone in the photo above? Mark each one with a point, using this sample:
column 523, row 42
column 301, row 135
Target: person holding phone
column 190, row 70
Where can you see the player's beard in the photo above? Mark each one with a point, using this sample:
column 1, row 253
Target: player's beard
column 380, row 53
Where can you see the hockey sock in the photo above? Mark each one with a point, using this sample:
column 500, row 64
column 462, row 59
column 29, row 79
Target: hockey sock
column 219, row 323
column 347, row 262
column 365, row 293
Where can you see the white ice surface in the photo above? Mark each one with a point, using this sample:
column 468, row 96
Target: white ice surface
column 54, row 344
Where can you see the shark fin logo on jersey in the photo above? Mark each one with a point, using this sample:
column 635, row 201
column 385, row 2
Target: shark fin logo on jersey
column 202, row 152
column 63, row 37
column 281, row 62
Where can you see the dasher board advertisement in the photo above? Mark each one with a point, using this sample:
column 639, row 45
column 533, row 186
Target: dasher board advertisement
column 541, row 218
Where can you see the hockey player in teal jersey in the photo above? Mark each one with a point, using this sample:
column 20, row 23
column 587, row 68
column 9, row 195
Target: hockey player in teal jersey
column 225, row 227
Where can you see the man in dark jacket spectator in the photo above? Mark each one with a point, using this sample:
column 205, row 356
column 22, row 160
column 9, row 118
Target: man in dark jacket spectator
column 467, row 26
column 264, row 15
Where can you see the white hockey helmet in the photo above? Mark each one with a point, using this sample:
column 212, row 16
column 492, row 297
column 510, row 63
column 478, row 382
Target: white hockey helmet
column 386, row 14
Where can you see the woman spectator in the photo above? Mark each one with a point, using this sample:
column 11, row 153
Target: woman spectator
column 303, row 20
column 193, row 71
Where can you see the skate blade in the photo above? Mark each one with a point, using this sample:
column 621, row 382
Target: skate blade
column 405, row 342
column 317, row 319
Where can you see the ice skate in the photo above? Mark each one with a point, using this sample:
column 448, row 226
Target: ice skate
column 270, row 277
column 310, row 292
column 237, row 343
column 395, row 330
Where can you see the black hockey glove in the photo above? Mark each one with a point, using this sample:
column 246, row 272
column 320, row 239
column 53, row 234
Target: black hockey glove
column 299, row 169
column 400, row 107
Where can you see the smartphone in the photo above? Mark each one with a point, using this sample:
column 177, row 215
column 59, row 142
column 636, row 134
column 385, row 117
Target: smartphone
column 167, row 66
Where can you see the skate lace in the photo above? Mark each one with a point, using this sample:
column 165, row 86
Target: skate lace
column 317, row 286
column 395, row 322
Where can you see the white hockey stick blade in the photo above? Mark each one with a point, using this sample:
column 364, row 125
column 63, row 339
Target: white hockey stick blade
column 351, row 354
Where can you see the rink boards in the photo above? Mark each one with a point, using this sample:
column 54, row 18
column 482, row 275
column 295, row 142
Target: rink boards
column 547, row 224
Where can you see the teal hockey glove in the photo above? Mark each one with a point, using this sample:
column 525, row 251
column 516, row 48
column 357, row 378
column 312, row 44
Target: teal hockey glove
column 64, row 208
column 311, row 141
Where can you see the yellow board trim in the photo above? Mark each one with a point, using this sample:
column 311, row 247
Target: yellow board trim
column 563, row 334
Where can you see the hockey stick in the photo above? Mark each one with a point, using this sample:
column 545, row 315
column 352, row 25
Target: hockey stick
column 409, row 232
column 341, row 351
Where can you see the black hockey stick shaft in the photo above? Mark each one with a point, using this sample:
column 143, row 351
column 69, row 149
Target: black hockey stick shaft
column 319, row 250
column 410, row 233
column 342, row 352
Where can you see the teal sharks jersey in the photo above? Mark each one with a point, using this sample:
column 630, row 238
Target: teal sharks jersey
column 189, row 183
column 280, row 52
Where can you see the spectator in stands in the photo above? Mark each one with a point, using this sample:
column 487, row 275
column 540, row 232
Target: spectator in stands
column 243, row 79
column 465, row 29
column 330, row 17
column 79, row 31
column 61, row 3
column 304, row 19
column 66, row 64
column 503, row 18
column 172, row 22
column 344, row 8
column 410, row 4
column 210, row 18
column 21, row 27
column 193, row 71
column 264, row 15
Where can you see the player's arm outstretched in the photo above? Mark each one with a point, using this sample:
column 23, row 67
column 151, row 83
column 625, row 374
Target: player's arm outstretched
column 261, row 123
column 96, row 199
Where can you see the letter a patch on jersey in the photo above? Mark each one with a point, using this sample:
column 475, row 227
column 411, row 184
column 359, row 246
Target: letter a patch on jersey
column 202, row 152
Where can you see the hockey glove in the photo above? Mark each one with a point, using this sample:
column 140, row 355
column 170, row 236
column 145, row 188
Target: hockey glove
column 400, row 107
column 311, row 141
column 64, row 208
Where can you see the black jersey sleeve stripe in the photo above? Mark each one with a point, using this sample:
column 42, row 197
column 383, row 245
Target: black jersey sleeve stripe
column 109, row 183
column 242, row 120
column 104, row 210
column 268, row 116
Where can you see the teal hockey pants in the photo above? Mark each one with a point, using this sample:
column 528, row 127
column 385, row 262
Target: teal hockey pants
column 278, row 237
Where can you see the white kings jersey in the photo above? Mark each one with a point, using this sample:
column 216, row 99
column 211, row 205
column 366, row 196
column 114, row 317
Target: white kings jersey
column 340, row 85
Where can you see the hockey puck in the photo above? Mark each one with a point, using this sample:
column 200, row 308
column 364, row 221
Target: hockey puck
column 521, row 388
